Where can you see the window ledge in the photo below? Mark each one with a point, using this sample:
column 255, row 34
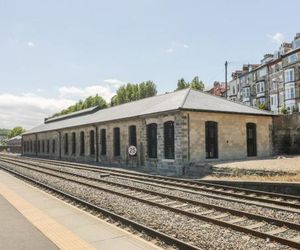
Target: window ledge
column 168, row 160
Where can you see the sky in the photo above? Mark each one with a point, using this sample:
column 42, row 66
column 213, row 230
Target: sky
column 53, row 53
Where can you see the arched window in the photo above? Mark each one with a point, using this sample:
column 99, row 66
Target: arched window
column 53, row 146
column 132, row 135
column 152, row 140
column 48, row 146
column 34, row 147
column 117, row 148
column 66, row 144
column 92, row 142
column 39, row 146
column 103, row 141
column 251, row 139
column 211, row 139
column 82, row 146
column 73, row 143
column 169, row 140
column 24, row 145
column 43, row 146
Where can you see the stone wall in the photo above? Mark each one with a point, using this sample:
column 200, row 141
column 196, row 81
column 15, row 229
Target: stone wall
column 286, row 136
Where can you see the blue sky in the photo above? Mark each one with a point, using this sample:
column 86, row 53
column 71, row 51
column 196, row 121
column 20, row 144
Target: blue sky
column 55, row 52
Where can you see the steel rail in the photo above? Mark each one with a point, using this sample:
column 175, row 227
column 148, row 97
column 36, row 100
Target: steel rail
column 198, row 216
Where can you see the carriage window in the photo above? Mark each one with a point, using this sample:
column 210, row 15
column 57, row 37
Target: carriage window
column 116, row 141
column 152, row 140
column 211, row 139
column 66, row 144
column 103, row 141
column 53, row 146
column 73, row 143
column 132, row 135
column 92, row 142
column 169, row 140
column 82, row 143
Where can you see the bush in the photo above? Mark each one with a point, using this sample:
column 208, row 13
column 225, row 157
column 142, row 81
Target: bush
column 283, row 110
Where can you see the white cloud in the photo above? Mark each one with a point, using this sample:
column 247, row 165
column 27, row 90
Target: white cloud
column 170, row 50
column 76, row 93
column 175, row 46
column 114, row 82
column 277, row 38
column 28, row 109
column 30, row 44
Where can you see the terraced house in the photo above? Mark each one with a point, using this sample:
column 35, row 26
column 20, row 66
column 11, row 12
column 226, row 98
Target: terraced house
column 174, row 133
column 274, row 84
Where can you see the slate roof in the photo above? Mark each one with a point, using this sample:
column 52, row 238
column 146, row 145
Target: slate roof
column 187, row 99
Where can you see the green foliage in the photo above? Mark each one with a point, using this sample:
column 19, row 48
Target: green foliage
column 262, row 106
column 132, row 92
column 89, row 102
column 194, row 84
column 283, row 110
column 15, row 131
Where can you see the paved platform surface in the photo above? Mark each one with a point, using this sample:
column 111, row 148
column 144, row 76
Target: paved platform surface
column 33, row 219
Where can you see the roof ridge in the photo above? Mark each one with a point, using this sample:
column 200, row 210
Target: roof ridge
column 240, row 103
column 185, row 97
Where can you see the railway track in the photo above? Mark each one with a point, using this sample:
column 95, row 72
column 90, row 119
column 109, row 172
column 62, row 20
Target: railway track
column 265, row 199
column 237, row 220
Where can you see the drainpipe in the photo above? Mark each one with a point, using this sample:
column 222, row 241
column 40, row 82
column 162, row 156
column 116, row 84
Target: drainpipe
column 188, row 124
column 97, row 144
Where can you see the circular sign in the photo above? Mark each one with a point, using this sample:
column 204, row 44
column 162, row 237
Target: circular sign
column 132, row 150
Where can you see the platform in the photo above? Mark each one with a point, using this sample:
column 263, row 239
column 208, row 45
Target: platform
column 33, row 219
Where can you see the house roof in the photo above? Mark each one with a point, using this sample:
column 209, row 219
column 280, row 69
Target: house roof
column 187, row 99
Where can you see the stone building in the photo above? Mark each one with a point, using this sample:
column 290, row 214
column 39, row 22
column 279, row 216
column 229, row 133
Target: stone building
column 274, row 84
column 14, row 145
column 174, row 133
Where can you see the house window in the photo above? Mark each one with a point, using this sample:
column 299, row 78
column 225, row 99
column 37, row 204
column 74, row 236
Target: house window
column 92, row 142
column 132, row 135
column 82, row 146
column 73, row 143
column 66, row 144
column 260, row 87
column 53, row 146
column 290, row 91
column 117, row 142
column 289, row 75
column 211, row 139
column 292, row 58
column 169, row 140
column 152, row 140
column 103, row 141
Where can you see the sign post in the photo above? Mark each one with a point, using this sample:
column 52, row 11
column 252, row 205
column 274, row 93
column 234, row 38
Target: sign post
column 132, row 150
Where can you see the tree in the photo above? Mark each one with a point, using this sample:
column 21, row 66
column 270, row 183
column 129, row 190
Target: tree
column 15, row 132
column 132, row 92
column 194, row 84
column 181, row 84
column 91, row 101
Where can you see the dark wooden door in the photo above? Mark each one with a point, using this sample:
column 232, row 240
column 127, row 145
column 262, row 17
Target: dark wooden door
column 211, row 139
column 251, row 139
